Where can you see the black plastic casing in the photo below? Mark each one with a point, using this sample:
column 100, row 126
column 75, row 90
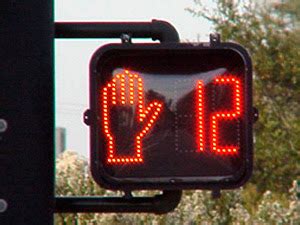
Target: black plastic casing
column 104, row 54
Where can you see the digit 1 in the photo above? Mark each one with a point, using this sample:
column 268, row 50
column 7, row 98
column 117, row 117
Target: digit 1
column 226, row 115
column 200, row 115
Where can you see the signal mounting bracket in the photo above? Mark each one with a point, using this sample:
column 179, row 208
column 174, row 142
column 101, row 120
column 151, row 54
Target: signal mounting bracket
column 215, row 39
column 126, row 38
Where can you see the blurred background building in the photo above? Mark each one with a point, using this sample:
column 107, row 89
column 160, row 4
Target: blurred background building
column 60, row 140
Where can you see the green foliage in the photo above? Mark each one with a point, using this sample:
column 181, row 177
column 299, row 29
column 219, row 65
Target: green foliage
column 273, row 40
column 72, row 171
column 290, row 9
column 196, row 207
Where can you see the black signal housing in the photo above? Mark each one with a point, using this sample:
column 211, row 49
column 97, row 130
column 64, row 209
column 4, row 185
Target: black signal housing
column 169, row 156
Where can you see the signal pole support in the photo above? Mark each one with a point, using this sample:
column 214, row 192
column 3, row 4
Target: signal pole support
column 26, row 112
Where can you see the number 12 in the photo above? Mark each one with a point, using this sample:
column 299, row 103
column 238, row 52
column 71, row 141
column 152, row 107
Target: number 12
column 218, row 116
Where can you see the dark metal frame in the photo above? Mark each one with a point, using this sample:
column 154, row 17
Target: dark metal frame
column 157, row 30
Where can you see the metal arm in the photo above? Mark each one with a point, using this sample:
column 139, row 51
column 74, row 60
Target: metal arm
column 157, row 30
column 158, row 204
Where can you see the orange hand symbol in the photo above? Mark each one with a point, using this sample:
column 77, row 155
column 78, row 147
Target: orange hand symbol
column 124, row 96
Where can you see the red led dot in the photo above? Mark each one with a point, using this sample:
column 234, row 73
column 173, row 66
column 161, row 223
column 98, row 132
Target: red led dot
column 200, row 119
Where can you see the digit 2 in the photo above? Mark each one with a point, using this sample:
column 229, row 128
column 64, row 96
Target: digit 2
column 218, row 116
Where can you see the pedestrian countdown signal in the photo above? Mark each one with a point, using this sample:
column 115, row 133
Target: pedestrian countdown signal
column 171, row 116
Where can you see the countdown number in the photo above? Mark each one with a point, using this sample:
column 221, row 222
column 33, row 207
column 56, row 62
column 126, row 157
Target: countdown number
column 218, row 116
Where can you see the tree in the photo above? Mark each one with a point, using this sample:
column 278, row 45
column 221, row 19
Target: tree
column 273, row 40
column 290, row 9
column 196, row 207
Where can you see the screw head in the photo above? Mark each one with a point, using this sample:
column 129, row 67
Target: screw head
column 3, row 205
column 3, row 125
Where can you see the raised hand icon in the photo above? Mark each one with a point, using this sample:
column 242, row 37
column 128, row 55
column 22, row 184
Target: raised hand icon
column 123, row 103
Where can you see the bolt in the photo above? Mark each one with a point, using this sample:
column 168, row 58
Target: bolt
column 216, row 193
column 126, row 38
column 3, row 205
column 3, row 125
column 255, row 114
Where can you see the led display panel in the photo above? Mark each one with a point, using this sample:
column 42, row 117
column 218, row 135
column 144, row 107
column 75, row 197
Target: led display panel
column 171, row 116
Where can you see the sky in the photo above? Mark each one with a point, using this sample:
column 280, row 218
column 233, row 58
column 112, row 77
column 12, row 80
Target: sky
column 72, row 56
